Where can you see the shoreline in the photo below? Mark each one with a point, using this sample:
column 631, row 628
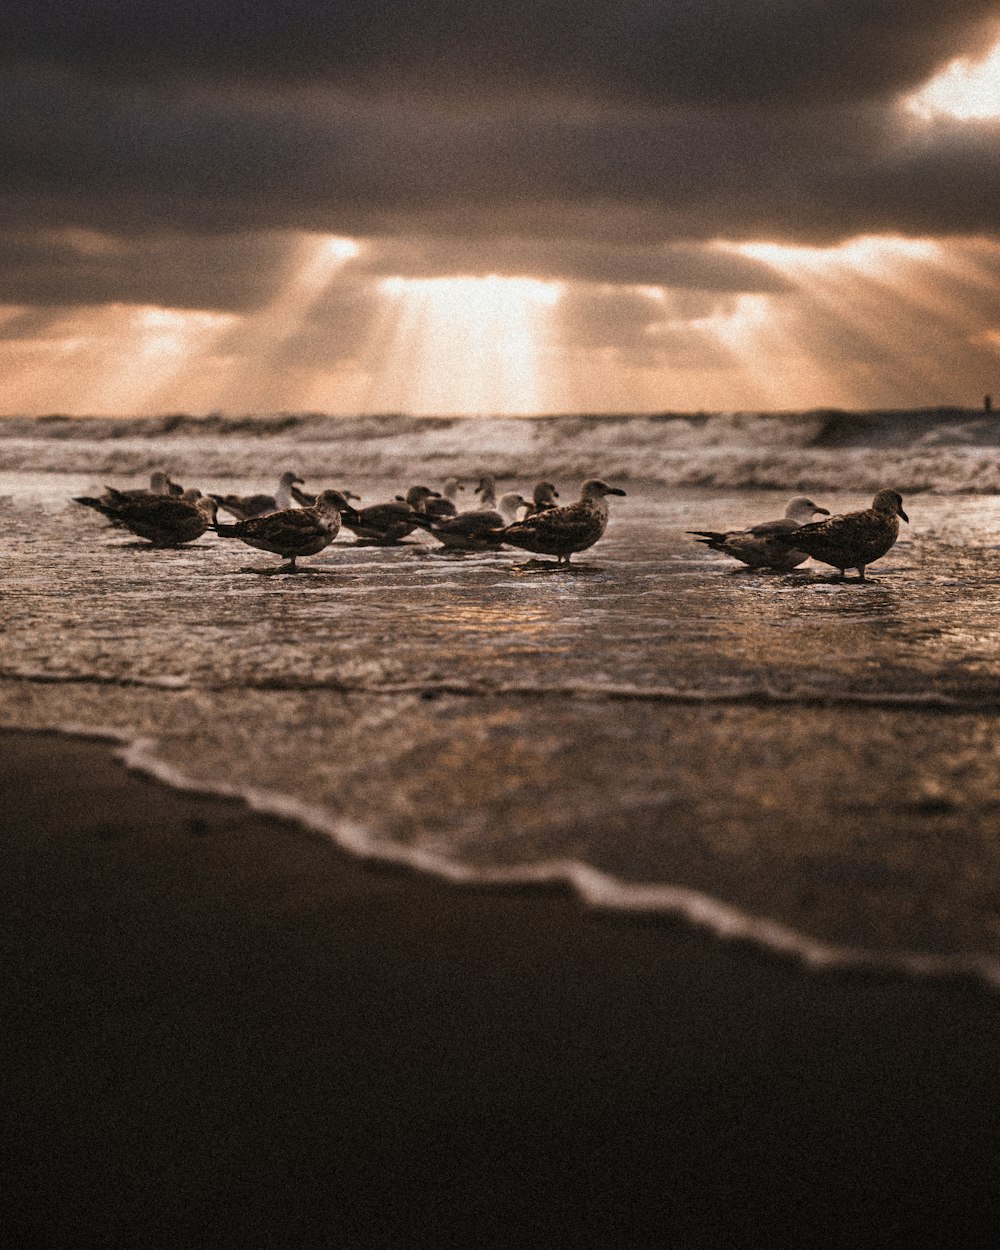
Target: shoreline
column 225, row 1031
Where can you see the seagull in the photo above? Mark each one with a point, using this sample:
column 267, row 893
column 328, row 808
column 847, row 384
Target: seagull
column 292, row 532
column 388, row 523
column 159, row 484
column 755, row 546
column 444, row 505
column 245, row 506
column 164, row 520
column 307, row 500
column 561, row 531
column 476, row 530
column 430, row 502
column 487, row 491
column 543, row 497
column 853, row 540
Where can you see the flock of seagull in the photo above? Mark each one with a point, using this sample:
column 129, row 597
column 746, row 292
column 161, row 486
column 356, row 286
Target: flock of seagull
column 292, row 523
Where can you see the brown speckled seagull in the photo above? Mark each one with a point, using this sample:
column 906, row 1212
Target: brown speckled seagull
column 478, row 530
column 163, row 520
column 853, row 540
column 755, row 547
column 388, row 523
column 293, row 532
column 561, row 531
column 113, row 498
column 245, row 506
column 445, row 504
column 543, row 497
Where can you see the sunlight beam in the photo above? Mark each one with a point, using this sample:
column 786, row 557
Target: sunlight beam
column 464, row 346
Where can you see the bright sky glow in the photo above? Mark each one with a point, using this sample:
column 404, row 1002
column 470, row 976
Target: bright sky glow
column 870, row 254
column 965, row 89
column 463, row 345
column 871, row 322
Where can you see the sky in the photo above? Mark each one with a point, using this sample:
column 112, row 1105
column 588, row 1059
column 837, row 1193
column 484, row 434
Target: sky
column 432, row 207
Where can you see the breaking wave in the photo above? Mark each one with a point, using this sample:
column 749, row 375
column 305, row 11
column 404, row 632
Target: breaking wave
column 945, row 450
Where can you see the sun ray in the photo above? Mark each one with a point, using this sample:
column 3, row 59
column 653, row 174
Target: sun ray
column 251, row 381
column 880, row 313
column 463, row 346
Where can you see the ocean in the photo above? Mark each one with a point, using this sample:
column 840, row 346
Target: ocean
column 808, row 766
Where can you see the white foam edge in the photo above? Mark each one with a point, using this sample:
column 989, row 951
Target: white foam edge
column 758, row 693
column 594, row 888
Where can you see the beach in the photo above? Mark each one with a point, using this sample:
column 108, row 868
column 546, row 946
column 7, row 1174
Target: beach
column 437, row 899
column 221, row 1030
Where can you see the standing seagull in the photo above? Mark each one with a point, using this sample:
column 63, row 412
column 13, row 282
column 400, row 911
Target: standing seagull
column 487, row 491
column 293, row 532
column 245, row 506
column 479, row 530
column 388, row 523
column 112, row 499
column 853, row 540
column 445, row 504
column 561, row 531
column 756, row 546
column 163, row 520
column 544, row 496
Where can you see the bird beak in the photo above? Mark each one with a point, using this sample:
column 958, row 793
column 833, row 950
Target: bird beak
column 615, row 491
column 822, row 511
column 904, row 516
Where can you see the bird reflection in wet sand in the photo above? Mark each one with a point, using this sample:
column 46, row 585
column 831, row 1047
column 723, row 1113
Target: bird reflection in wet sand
column 293, row 532
column 561, row 531
column 853, row 540
column 755, row 547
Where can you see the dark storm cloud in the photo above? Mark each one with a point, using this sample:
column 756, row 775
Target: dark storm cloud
column 624, row 265
column 226, row 273
column 660, row 51
column 130, row 162
column 604, row 143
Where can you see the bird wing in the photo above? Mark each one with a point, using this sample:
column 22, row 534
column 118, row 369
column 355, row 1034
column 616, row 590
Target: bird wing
column 471, row 523
column 767, row 529
column 386, row 512
column 562, row 525
column 165, row 510
column 289, row 526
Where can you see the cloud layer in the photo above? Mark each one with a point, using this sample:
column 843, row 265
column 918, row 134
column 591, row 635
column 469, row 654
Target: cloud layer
column 172, row 154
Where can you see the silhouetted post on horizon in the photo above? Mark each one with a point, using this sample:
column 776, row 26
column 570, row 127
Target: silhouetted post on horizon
column 987, row 404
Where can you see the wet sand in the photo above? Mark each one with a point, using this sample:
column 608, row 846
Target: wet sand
column 220, row 1030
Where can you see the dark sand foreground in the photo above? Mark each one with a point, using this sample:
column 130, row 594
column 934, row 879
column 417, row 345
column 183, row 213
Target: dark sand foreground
column 221, row 1031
